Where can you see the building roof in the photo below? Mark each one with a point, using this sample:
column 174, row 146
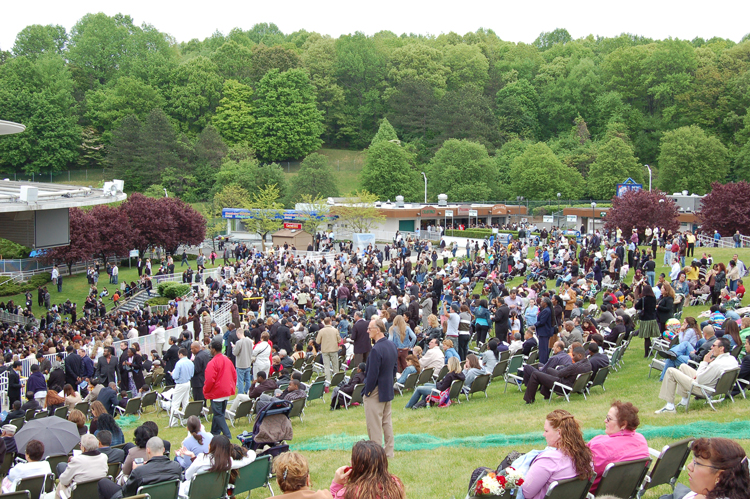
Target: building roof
column 54, row 196
column 288, row 233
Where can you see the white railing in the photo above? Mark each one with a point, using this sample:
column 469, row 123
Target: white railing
column 29, row 361
column 724, row 242
column 18, row 319
column 4, row 401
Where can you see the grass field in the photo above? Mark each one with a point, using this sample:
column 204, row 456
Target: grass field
column 346, row 166
column 443, row 471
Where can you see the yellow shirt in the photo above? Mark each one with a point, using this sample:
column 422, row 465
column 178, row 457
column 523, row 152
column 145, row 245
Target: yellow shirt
column 692, row 273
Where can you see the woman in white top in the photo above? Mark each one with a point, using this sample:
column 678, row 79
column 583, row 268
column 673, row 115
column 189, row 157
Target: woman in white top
column 262, row 355
column 218, row 458
column 33, row 467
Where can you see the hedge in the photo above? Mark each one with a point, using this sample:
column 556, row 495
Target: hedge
column 172, row 290
column 17, row 288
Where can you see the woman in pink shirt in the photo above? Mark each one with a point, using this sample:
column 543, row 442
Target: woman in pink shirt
column 566, row 455
column 620, row 442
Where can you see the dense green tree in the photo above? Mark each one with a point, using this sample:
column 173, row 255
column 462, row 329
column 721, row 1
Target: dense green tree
column 691, row 160
column 195, row 93
column 517, row 109
column 250, row 175
column 107, row 106
column 265, row 58
column 504, row 164
column 234, row 62
column 411, row 108
column 388, row 172
column 319, row 58
column 548, row 39
column 420, row 62
column 614, row 163
column 539, row 174
column 36, row 40
column 467, row 65
column 288, row 123
column 314, row 179
column 234, row 116
column 98, row 48
column 463, row 170
column 466, row 114
column 386, row 133
column 124, row 155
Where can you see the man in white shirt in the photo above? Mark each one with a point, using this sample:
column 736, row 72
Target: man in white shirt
column 182, row 374
column 674, row 274
column 433, row 357
column 516, row 345
column 160, row 335
column 680, row 381
column 115, row 273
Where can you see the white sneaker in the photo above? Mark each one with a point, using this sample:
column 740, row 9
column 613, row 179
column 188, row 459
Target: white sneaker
column 665, row 409
column 681, row 404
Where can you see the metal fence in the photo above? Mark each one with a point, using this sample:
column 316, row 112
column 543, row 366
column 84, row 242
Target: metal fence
column 724, row 242
column 82, row 177
column 18, row 319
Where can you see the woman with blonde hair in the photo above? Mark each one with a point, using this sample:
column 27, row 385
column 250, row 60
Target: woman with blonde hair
column 293, row 476
column 424, row 391
column 569, row 457
column 404, row 338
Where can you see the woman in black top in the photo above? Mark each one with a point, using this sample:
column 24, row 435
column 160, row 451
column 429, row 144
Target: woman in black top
column 647, row 307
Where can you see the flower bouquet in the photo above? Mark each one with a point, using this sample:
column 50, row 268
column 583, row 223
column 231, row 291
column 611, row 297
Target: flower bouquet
column 490, row 483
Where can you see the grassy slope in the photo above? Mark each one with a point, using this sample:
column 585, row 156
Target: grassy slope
column 346, row 167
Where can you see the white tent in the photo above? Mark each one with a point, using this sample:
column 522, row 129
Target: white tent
column 360, row 241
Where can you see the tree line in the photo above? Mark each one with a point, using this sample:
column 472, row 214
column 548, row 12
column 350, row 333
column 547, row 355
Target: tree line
column 484, row 118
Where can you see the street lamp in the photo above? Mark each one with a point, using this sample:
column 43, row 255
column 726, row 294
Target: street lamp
column 649, row 177
column 558, row 208
column 593, row 217
column 425, row 187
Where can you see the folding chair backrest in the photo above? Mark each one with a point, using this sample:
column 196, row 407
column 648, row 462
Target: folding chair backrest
column 34, row 484
column 499, row 369
column 55, row 460
column 456, row 387
column 161, row 490
column 41, row 414
column 533, row 355
column 572, row 488
column 253, row 476
column 6, row 464
column 306, row 375
column 62, row 412
column 18, row 423
column 623, row 478
column 601, row 376
column 411, row 381
column 727, row 381
column 298, row 406
column 669, row 464
column 337, row 378
column 515, row 363
column 736, row 351
column 133, row 406
column 425, row 376
column 194, row 408
column 19, row 494
column 210, row 485
column 148, row 400
column 113, row 469
column 480, row 383
column 298, row 363
column 357, row 394
column 85, row 490
column 83, row 407
column 581, row 381
column 243, row 410
column 316, row 390
column 442, row 373
column 504, row 355
column 29, row 414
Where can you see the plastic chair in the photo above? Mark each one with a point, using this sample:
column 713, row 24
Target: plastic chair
column 572, row 488
column 253, row 476
column 668, row 466
column 409, row 383
column 478, row 385
column 209, row 485
column 244, row 410
column 298, row 408
column 724, row 386
column 623, row 478
column 355, row 397
column 579, row 386
column 161, row 490
column 599, row 379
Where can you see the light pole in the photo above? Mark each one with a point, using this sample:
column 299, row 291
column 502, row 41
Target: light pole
column 425, row 187
column 593, row 217
column 558, row 208
column 649, row 177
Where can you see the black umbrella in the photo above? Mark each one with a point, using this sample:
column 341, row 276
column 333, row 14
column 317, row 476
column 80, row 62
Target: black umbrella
column 58, row 435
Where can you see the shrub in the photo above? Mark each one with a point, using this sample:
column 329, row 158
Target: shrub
column 172, row 290
column 39, row 280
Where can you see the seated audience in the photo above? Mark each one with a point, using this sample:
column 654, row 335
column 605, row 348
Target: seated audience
column 108, row 423
column 89, row 465
column 77, row 417
column 337, row 400
column 293, row 477
column 105, row 447
column 565, row 375
column 472, row 369
column 368, row 475
column 196, row 442
column 424, row 391
column 33, row 466
column 218, row 458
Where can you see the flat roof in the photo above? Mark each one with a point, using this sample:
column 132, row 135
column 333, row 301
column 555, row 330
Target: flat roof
column 53, row 196
column 8, row 127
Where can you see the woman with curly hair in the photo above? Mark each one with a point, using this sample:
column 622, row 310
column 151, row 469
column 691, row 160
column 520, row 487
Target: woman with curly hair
column 719, row 470
column 367, row 477
column 569, row 458
column 293, row 477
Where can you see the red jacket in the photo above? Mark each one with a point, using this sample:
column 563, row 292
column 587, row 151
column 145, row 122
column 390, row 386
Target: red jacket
column 221, row 378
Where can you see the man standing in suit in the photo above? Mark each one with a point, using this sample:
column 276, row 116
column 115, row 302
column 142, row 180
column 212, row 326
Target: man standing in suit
column 378, row 392
column 201, row 358
column 170, row 359
column 106, row 367
column 360, row 338
column 73, row 367
column 14, row 382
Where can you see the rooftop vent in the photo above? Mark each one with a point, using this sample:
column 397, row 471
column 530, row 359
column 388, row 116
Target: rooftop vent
column 399, row 201
column 442, row 200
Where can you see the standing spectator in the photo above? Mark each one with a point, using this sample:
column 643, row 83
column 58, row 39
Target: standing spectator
column 106, row 367
column 360, row 338
column 115, row 273
column 381, row 370
column 328, row 339
column 201, row 358
column 182, row 374
column 243, row 353
column 221, row 379
column 73, row 367
column 14, row 382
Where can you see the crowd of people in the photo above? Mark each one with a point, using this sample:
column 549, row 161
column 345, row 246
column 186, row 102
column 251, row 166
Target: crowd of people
column 388, row 313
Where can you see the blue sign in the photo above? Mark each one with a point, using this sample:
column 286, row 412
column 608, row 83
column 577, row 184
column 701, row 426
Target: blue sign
column 628, row 186
column 287, row 215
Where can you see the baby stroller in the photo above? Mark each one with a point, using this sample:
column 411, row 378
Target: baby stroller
column 272, row 427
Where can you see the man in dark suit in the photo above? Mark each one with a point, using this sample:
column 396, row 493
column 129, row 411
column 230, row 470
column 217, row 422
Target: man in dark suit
column 370, row 310
column 106, row 367
column 201, row 358
column 502, row 314
column 73, row 367
column 105, row 442
column 378, row 392
column 108, row 397
column 284, row 336
column 14, row 382
column 437, row 287
column 559, row 358
column 170, row 359
column 567, row 376
column 597, row 358
column 360, row 338
column 17, row 412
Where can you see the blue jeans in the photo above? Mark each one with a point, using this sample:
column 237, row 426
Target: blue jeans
column 683, row 351
column 244, row 379
column 219, row 421
column 651, row 276
column 114, row 279
column 420, row 392
column 342, row 304
column 732, row 285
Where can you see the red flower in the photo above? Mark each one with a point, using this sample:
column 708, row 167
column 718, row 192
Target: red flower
column 520, row 481
column 485, row 491
column 502, row 480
